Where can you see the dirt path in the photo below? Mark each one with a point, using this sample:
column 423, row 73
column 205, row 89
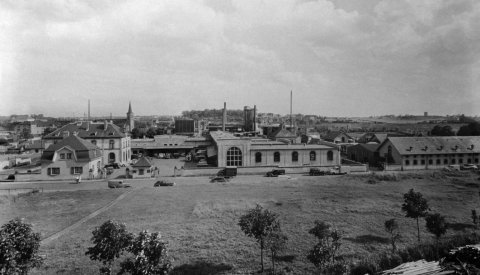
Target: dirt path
column 55, row 236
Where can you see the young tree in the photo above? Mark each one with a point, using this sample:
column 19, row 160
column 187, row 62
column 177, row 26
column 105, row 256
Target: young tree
column 258, row 223
column 324, row 252
column 110, row 241
column 391, row 226
column 415, row 206
column 276, row 241
column 150, row 256
column 437, row 226
column 18, row 248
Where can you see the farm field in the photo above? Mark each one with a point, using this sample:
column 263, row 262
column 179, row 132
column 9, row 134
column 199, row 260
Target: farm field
column 199, row 219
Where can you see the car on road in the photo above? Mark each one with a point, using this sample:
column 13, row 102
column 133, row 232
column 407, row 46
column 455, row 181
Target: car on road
column 117, row 184
column 275, row 173
column 335, row 171
column 163, row 183
column 469, row 166
column 228, row 172
column 316, row 172
column 219, row 179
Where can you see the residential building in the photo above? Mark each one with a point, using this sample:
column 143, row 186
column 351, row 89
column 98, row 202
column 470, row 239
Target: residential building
column 71, row 157
column 143, row 168
column 113, row 143
column 364, row 153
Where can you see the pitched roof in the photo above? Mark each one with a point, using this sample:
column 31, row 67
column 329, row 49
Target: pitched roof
column 372, row 147
column 333, row 134
column 88, row 130
column 36, row 144
column 143, row 162
column 435, row 145
column 283, row 133
column 83, row 149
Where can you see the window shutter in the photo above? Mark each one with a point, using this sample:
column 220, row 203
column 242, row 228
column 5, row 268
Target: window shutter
column 81, row 170
column 49, row 171
column 72, row 170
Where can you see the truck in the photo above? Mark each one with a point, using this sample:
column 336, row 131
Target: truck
column 228, row 172
column 275, row 173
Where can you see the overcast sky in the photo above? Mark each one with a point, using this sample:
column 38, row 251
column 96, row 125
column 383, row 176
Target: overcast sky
column 340, row 57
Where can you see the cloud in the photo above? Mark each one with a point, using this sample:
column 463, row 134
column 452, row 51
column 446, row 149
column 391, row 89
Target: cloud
column 396, row 56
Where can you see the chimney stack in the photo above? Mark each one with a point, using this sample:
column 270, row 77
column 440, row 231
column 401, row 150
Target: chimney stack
column 89, row 110
column 224, row 119
column 254, row 118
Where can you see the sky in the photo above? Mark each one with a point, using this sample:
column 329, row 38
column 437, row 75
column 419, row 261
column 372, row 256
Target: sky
column 339, row 57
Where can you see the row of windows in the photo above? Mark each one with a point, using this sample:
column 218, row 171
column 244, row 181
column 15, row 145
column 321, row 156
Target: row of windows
column 234, row 156
column 66, row 156
column 52, row 171
column 111, row 143
column 444, row 155
column 439, row 161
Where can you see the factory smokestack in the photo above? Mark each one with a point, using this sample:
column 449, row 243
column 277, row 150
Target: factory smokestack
column 224, row 118
column 254, row 118
column 88, row 110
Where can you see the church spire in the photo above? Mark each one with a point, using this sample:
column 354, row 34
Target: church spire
column 130, row 107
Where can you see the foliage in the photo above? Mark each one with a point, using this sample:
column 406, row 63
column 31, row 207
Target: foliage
column 151, row 132
column 150, row 256
column 426, row 251
column 436, row 225
column 275, row 241
column 110, row 240
column 137, row 133
column 415, row 206
column 3, row 141
column 324, row 252
column 472, row 129
column 442, row 131
column 463, row 261
column 18, row 248
column 259, row 223
column 391, row 226
column 475, row 218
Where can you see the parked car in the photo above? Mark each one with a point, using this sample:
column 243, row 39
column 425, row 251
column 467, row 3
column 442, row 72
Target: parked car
column 219, row 179
column 117, row 184
column 113, row 165
column 276, row 173
column 202, row 162
column 469, row 167
column 228, row 172
column 316, row 172
column 335, row 171
column 163, row 183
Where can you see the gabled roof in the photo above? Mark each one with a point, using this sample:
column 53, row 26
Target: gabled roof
column 36, row 144
column 283, row 133
column 88, row 130
column 143, row 162
column 435, row 145
column 371, row 147
column 379, row 137
column 84, row 150
column 334, row 134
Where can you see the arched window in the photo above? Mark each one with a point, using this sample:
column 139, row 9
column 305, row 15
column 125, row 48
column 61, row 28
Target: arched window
column 294, row 156
column 111, row 144
column 258, row 157
column 330, row 155
column 234, row 157
column 313, row 156
column 276, row 157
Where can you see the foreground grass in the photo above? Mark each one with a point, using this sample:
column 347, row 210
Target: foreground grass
column 200, row 219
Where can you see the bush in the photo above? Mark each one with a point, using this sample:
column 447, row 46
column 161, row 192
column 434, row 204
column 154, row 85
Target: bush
column 364, row 267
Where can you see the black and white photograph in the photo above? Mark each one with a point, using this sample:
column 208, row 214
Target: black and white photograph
column 216, row 137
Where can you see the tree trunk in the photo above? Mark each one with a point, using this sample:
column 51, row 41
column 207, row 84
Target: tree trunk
column 261, row 253
column 418, row 231
column 273, row 263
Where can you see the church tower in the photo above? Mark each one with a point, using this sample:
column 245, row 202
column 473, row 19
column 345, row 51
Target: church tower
column 130, row 122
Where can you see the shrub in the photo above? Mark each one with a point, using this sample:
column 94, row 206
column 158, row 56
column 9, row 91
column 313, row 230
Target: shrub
column 19, row 247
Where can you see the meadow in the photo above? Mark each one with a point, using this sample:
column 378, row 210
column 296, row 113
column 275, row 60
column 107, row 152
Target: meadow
column 199, row 219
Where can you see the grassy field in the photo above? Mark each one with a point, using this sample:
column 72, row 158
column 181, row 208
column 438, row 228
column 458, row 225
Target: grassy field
column 200, row 219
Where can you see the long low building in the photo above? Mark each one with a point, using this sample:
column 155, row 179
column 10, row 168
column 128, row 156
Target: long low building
column 420, row 153
column 231, row 150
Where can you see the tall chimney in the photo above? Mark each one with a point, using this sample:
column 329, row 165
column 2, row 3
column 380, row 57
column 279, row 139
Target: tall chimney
column 224, row 119
column 254, row 118
column 291, row 119
column 89, row 110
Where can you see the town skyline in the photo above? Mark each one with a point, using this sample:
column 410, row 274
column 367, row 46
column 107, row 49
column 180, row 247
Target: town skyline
column 341, row 59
